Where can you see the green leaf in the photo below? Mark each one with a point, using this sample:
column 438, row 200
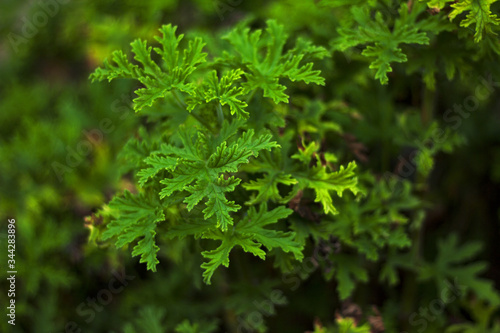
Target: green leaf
column 348, row 325
column 266, row 63
column 157, row 164
column 295, row 72
column 227, row 158
column 119, row 67
column 223, row 91
column 449, row 265
column 253, row 226
column 220, row 256
column 347, row 271
column 479, row 14
column 322, row 182
column 135, row 218
column 202, row 173
column 267, row 187
column 217, row 203
column 251, row 233
column 187, row 327
column 158, row 80
column 385, row 48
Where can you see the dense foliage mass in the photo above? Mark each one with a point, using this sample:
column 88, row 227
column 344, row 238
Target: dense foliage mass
column 290, row 166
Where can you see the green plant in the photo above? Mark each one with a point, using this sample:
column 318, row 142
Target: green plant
column 247, row 143
column 352, row 145
column 194, row 172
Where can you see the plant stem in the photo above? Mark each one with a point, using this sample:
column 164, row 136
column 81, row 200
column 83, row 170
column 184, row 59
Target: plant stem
column 220, row 114
column 203, row 122
column 194, row 115
column 178, row 99
column 251, row 96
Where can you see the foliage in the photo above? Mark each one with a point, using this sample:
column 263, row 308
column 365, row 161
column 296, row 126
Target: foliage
column 445, row 267
column 205, row 164
column 288, row 159
column 479, row 13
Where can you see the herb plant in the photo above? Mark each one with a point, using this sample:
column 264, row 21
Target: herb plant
column 215, row 174
column 254, row 166
column 240, row 151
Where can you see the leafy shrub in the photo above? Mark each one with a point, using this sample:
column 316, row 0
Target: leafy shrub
column 237, row 138
column 287, row 160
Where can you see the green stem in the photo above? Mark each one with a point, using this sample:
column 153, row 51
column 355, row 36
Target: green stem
column 178, row 99
column 251, row 96
column 182, row 105
column 220, row 114
column 203, row 122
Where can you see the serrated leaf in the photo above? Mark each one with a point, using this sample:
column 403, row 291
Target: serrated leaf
column 250, row 234
column 158, row 80
column 385, row 48
column 202, row 173
column 479, row 14
column 267, row 187
column 225, row 92
column 217, row 203
column 347, row 272
column 322, row 182
column 157, row 163
column 267, row 67
column 135, row 218
column 449, row 265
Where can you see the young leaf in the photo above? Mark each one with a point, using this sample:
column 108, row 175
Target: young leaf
column 223, row 91
column 267, row 187
column 479, row 14
column 322, row 181
column 265, row 71
column 158, row 80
